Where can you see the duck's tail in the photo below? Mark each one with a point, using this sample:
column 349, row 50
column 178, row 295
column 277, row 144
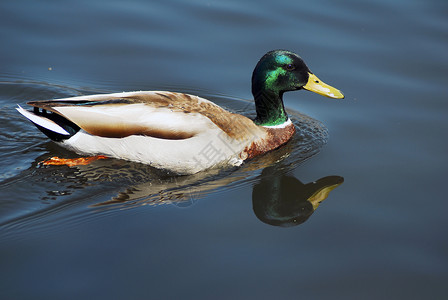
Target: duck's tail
column 55, row 126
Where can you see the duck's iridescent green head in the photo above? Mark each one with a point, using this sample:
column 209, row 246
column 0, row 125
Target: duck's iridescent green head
column 277, row 72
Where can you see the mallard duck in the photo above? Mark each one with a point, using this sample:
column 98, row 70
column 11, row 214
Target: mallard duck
column 179, row 132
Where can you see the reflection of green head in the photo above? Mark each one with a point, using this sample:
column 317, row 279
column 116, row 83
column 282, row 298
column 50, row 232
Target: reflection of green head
column 285, row 201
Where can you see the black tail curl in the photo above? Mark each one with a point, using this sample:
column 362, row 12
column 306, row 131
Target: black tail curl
column 68, row 125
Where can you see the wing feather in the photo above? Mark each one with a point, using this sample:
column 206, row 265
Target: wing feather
column 135, row 119
column 158, row 114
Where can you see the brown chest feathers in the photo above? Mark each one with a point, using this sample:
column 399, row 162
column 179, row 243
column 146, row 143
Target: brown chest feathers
column 275, row 137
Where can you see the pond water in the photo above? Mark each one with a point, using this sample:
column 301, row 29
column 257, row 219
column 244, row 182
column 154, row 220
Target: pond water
column 116, row 229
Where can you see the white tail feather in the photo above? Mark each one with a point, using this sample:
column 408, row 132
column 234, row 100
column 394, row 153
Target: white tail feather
column 41, row 121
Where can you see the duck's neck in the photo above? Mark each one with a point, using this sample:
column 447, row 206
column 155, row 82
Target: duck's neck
column 269, row 107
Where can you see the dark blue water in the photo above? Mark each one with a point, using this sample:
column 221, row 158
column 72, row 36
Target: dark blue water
column 116, row 229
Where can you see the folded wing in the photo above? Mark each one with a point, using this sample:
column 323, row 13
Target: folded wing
column 166, row 116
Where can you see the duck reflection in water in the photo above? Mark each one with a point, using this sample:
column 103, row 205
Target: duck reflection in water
column 283, row 200
column 278, row 198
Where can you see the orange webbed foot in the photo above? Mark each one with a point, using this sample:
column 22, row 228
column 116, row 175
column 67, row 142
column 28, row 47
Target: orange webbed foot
column 71, row 162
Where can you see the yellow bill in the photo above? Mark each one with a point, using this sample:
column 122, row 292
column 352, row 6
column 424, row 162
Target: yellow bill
column 314, row 84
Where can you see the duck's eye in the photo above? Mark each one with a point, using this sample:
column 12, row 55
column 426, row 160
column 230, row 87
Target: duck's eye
column 290, row 67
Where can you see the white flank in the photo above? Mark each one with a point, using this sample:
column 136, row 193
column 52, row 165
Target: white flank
column 41, row 121
column 205, row 150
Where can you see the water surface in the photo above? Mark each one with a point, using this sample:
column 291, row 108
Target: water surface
column 116, row 229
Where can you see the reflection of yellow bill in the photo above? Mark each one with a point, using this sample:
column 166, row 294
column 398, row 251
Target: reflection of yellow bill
column 315, row 85
column 321, row 194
